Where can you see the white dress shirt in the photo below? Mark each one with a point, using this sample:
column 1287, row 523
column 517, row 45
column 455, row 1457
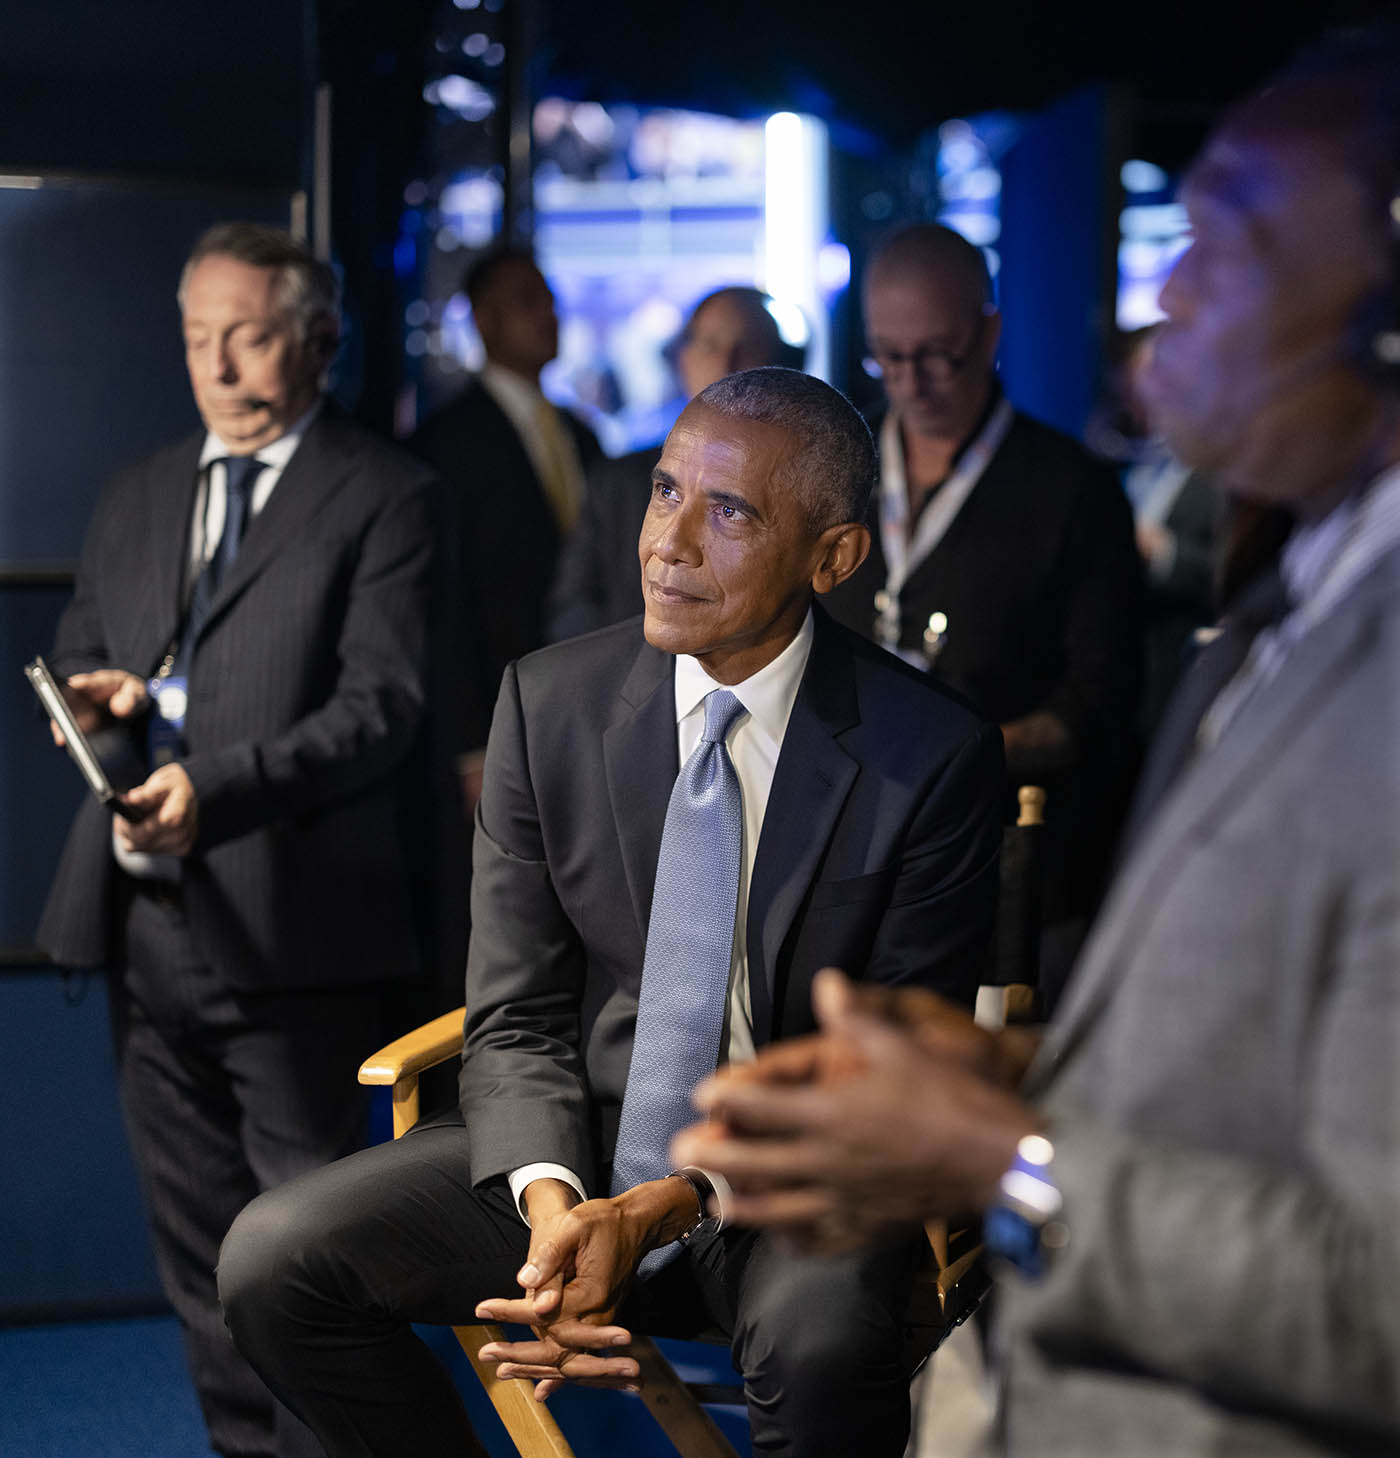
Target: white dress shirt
column 754, row 744
column 1321, row 562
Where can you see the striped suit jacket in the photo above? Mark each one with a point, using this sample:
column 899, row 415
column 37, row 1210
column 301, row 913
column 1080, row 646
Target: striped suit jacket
column 306, row 700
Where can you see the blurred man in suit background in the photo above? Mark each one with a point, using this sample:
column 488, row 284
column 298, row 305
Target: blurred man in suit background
column 514, row 465
column 254, row 600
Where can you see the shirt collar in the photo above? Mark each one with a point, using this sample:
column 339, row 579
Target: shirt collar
column 512, row 391
column 768, row 695
column 276, row 454
column 1321, row 559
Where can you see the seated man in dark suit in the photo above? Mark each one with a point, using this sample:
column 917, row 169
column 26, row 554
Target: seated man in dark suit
column 1003, row 557
column 596, row 582
column 632, row 927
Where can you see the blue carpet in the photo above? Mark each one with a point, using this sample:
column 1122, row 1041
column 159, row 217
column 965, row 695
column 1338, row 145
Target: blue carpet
column 114, row 1388
column 118, row 1389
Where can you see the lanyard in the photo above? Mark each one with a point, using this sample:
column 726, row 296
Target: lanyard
column 903, row 554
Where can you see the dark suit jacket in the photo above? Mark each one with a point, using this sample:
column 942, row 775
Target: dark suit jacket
column 1041, row 582
column 306, row 694
column 503, row 542
column 599, row 578
column 878, row 854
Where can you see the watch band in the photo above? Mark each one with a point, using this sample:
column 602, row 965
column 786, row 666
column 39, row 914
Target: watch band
column 1024, row 1224
column 703, row 1190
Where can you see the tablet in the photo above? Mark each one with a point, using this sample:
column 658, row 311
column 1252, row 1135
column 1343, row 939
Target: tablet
column 107, row 759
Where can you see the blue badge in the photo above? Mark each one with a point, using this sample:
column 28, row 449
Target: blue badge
column 165, row 730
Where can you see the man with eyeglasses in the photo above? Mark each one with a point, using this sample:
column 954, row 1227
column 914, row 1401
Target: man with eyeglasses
column 1002, row 560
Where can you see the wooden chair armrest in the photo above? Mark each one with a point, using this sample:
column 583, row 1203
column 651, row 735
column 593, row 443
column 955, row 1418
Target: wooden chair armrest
column 415, row 1052
column 400, row 1062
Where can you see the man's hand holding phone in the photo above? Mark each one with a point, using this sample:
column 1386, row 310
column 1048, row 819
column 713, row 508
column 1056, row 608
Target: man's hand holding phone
column 104, row 693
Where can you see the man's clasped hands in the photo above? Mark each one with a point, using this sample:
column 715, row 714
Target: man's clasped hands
column 899, row 1109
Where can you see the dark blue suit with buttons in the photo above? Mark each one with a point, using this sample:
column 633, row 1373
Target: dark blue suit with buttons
column 878, row 853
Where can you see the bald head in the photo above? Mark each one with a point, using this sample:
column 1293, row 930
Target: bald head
column 931, row 251
column 932, row 328
column 730, row 330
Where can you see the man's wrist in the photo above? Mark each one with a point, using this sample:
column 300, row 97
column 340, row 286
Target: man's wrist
column 710, row 1191
column 546, row 1198
column 665, row 1209
column 521, row 1178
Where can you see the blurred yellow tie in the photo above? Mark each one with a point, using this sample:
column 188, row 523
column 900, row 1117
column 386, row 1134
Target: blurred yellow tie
column 558, row 465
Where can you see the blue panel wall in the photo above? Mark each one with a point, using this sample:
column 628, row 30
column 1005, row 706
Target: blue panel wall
column 72, row 1228
column 91, row 362
column 40, row 787
column 1055, row 211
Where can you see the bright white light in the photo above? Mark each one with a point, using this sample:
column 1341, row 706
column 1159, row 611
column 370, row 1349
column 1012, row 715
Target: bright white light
column 1140, row 176
column 979, row 228
column 795, row 222
column 834, row 267
column 593, row 123
column 1154, row 220
column 791, row 321
column 980, row 184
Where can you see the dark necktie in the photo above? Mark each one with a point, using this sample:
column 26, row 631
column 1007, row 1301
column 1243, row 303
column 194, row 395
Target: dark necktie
column 690, row 946
column 1263, row 602
column 240, row 476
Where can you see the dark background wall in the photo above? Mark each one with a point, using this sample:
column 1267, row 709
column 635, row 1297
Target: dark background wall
column 161, row 117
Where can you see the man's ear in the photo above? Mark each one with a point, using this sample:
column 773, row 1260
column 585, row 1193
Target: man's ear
column 843, row 549
column 324, row 340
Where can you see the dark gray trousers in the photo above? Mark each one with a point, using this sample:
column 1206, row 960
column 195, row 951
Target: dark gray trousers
column 225, row 1095
column 321, row 1278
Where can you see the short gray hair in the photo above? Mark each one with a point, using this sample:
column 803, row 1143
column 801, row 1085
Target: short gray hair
column 306, row 287
column 832, row 471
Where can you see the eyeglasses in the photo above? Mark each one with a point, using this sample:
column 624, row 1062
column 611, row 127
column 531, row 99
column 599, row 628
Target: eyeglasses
column 937, row 365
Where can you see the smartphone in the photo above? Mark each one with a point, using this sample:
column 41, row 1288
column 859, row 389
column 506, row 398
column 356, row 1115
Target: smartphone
column 107, row 759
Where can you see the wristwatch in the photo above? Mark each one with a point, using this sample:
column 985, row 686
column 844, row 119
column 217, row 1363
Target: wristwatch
column 1024, row 1226
column 703, row 1187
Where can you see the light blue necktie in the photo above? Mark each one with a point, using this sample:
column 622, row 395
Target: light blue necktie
column 690, row 946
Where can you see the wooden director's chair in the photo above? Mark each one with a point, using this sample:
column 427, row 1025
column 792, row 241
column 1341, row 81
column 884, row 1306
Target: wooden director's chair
column 946, row 1291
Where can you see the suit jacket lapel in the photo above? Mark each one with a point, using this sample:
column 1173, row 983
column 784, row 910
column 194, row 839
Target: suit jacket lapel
column 1208, row 788
column 810, row 783
column 315, row 472
column 640, row 760
column 172, row 486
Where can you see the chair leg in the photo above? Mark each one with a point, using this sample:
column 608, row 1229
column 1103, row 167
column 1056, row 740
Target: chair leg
column 690, row 1428
column 530, row 1424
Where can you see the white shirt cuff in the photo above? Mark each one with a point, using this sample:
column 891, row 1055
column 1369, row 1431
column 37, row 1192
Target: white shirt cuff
column 543, row 1170
column 724, row 1194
